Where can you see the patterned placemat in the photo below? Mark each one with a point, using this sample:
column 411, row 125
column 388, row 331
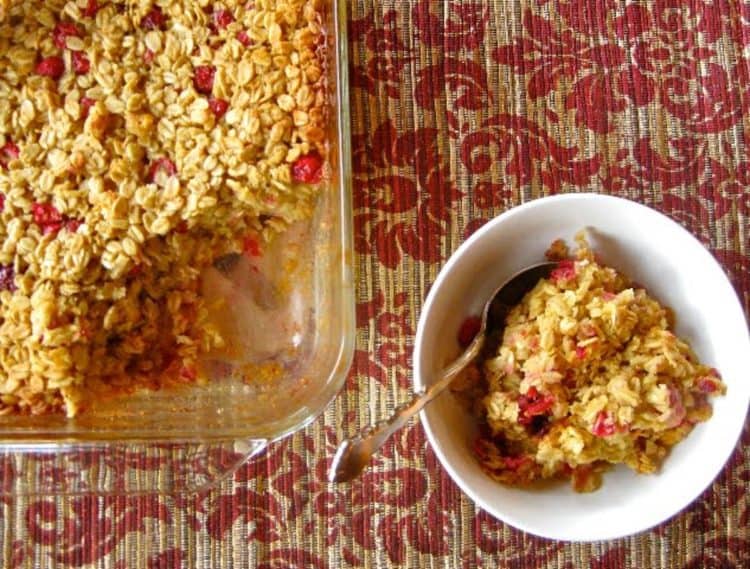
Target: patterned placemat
column 460, row 110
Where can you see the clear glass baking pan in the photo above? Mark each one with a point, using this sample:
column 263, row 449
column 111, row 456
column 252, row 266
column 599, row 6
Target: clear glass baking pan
column 291, row 325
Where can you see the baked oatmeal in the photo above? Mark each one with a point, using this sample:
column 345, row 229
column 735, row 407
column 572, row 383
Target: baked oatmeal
column 139, row 142
column 587, row 373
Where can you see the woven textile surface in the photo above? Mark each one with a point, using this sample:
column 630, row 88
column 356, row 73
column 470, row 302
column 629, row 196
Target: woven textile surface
column 460, row 110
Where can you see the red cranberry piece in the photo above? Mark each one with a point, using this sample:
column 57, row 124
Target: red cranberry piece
column 539, row 407
column 469, row 329
column 251, row 247
column 86, row 104
column 706, row 385
column 10, row 149
column 52, row 66
column 47, row 217
column 7, row 278
column 92, row 7
column 308, row 169
column 61, row 32
column 222, row 18
column 81, row 64
column 154, row 20
column 72, row 225
column 533, row 404
column 203, row 80
column 161, row 164
column 603, row 425
column 565, row 271
column 218, row 107
column 8, row 152
column 244, row 39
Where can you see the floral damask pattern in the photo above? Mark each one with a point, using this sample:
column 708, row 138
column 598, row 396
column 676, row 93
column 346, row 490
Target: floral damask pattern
column 403, row 212
column 460, row 110
column 525, row 153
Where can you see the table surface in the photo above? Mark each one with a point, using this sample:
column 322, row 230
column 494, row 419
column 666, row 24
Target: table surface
column 460, row 110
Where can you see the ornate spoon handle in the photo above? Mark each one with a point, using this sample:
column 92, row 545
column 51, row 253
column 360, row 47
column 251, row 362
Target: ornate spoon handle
column 354, row 453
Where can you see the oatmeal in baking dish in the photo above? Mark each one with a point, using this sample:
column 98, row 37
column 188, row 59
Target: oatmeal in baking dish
column 587, row 373
column 139, row 142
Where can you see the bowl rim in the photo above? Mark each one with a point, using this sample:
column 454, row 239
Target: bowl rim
column 418, row 383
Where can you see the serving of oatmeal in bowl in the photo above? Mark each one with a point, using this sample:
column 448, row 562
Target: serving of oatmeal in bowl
column 584, row 373
column 614, row 390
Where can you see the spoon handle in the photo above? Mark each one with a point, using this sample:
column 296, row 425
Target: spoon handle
column 353, row 454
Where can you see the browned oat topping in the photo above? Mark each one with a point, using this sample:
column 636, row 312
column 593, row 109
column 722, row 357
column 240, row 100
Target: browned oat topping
column 139, row 141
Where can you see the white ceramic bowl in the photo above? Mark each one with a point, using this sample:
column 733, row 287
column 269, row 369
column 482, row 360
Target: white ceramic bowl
column 678, row 271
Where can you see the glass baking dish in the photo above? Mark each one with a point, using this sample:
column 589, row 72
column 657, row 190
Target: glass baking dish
column 291, row 328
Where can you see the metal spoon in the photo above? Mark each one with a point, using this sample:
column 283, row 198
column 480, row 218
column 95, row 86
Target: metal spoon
column 355, row 453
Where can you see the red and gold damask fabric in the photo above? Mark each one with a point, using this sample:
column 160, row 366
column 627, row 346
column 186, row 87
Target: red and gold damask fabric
column 460, row 110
